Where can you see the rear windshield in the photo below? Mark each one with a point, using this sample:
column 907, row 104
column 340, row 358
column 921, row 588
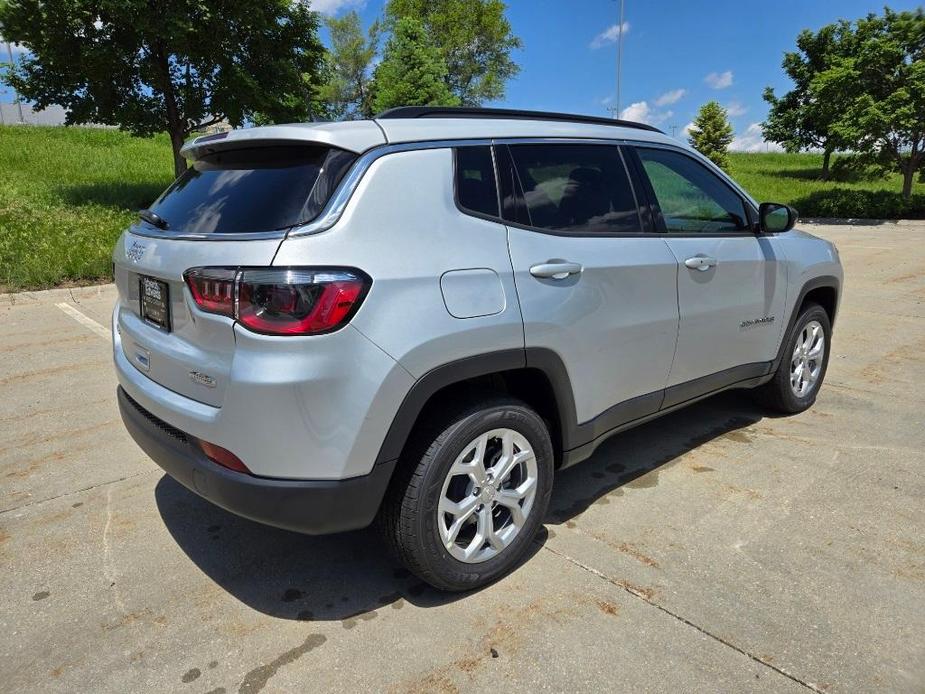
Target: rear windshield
column 252, row 190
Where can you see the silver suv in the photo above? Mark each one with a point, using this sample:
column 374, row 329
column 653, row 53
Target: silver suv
column 419, row 318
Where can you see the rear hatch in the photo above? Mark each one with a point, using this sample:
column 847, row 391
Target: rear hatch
column 231, row 209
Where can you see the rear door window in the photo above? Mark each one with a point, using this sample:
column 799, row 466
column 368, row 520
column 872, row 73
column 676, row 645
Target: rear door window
column 253, row 190
column 576, row 188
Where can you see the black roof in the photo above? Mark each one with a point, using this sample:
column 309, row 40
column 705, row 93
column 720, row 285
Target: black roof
column 507, row 113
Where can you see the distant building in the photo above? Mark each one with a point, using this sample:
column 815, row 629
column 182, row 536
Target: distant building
column 9, row 115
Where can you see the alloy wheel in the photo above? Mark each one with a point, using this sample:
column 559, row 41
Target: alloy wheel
column 487, row 495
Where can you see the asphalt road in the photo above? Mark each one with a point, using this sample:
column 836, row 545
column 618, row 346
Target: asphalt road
column 715, row 549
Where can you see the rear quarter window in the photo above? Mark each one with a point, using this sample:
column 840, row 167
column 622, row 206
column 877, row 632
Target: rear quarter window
column 476, row 190
column 253, row 190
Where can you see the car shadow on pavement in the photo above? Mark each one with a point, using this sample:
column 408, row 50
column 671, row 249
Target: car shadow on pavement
column 287, row 575
column 635, row 457
column 349, row 576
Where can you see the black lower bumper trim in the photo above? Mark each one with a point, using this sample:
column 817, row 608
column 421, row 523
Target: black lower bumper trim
column 314, row 507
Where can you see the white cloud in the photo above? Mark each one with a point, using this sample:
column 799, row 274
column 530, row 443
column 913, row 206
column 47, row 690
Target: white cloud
column 686, row 130
column 734, row 109
column 752, row 140
column 610, row 35
column 332, row 7
column 671, row 97
column 641, row 112
column 719, row 80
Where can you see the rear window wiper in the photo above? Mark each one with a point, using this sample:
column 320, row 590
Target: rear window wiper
column 153, row 218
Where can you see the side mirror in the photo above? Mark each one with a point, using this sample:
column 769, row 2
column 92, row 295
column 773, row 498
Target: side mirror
column 774, row 217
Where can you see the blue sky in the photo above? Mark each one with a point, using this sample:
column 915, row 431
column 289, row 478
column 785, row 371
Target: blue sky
column 677, row 54
column 568, row 62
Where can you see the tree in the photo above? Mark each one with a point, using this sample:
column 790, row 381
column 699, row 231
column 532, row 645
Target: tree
column 884, row 117
column 798, row 120
column 175, row 65
column 348, row 89
column 412, row 71
column 475, row 40
column 711, row 133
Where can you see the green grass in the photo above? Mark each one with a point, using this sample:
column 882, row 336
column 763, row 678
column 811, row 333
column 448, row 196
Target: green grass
column 795, row 179
column 65, row 196
column 67, row 193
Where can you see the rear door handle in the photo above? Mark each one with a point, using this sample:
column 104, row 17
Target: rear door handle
column 700, row 262
column 557, row 270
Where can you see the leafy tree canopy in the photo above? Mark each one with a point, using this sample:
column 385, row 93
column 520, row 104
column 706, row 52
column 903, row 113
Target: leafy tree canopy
column 412, row 71
column 348, row 88
column 474, row 39
column 881, row 85
column 175, row 65
column 712, row 134
column 799, row 120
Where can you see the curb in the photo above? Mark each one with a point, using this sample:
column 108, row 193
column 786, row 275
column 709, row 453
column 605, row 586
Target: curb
column 74, row 294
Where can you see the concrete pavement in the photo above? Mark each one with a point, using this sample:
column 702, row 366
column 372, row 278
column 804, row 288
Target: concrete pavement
column 715, row 549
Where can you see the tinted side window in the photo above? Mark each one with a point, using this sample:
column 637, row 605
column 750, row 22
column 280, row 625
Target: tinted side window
column 692, row 199
column 249, row 190
column 475, row 180
column 576, row 188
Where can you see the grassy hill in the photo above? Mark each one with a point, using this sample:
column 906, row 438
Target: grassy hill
column 65, row 196
column 67, row 193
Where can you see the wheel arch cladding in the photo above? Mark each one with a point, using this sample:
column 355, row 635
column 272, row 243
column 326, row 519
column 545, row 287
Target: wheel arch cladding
column 826, row 296
column 822, row 289
column 537, row 377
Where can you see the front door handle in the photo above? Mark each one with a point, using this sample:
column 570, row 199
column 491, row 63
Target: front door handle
column 700, row 262
column 556, row 270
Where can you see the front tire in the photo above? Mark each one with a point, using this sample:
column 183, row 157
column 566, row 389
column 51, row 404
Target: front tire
column 474, row 490
column 801, row 371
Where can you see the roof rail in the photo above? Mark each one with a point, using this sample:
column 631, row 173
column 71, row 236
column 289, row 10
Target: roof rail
column 510, row 113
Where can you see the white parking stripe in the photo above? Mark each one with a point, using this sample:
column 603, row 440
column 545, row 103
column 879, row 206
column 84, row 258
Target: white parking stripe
column 85, row 321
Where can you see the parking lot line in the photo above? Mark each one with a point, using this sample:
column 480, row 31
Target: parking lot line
column 84, row 320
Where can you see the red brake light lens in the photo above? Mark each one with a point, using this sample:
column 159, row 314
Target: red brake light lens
column 212, row 289
column 281, row 301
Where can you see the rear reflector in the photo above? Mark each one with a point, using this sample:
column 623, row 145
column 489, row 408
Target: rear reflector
column 223, row 457
column 280, row 301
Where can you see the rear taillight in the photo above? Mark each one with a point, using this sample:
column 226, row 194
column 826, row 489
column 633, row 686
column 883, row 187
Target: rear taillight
column 212, row 288
column 280, row 301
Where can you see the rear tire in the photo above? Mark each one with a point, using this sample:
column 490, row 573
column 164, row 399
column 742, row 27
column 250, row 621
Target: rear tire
column 470, row 494
column 802, row 368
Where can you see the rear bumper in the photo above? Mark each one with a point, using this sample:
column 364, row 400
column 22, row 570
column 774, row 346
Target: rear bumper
column 314, row 507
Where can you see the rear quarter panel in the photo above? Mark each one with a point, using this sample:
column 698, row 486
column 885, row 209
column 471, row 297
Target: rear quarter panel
column 403, row 228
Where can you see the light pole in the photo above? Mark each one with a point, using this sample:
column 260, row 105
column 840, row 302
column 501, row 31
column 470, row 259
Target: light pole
column 619, row 58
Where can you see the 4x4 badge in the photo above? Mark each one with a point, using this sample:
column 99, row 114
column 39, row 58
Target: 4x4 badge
column 202, row 379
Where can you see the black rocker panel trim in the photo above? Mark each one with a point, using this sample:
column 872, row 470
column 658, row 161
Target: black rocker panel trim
column 578, row 440
column 689, row 390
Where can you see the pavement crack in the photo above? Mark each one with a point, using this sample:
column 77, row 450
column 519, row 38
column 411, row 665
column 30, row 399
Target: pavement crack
column 719, row 639
column 108, row 566
column 76, row 491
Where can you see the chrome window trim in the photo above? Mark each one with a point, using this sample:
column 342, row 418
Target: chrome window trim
column 338, row 202
column 139, row 230
column 342, row 195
